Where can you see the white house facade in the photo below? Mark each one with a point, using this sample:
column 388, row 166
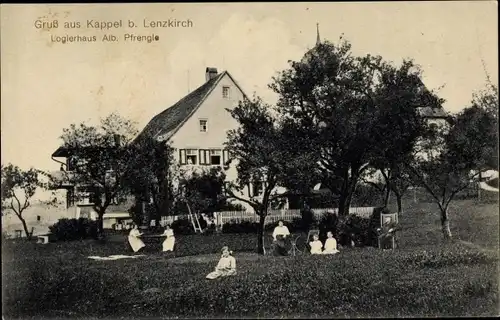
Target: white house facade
column 197, row 125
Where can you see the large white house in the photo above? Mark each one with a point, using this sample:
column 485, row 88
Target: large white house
column 197, row 125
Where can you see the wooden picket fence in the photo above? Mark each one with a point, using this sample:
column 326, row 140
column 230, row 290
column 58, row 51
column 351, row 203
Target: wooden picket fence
column 286, row 215
column 273, row 216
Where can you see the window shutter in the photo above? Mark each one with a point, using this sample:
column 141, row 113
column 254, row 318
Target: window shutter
column 182, row 156
column 201, row 153
column 225, row 156
column 207, row 157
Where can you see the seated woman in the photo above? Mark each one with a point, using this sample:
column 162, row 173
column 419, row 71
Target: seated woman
column 133, row 239
column 225, row 267
column 316, row 245
column 281, row 240
column 330, row 244
column 168, row 244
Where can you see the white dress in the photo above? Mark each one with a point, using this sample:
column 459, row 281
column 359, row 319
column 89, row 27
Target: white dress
column 134, row 241
column 330, row 246
column 168, row 244
column 280, row 231
column 316, row 247
column 225, row 267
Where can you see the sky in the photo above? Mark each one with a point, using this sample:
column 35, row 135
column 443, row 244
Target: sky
column 46, row 86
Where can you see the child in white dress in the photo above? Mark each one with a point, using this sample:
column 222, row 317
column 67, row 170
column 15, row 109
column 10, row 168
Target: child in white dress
column 315, row 245
column 133, row 239
column 225, row 267
column 168, row 244
column 330, row 244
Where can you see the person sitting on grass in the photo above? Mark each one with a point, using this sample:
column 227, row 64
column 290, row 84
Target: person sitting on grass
column 168, row 244
column 133, row 239
column 280, row 239
column 225, row 267
column 330, row 244
column 316, row 245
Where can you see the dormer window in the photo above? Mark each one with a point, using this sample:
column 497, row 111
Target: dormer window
column 203, row 125
column 225, row 92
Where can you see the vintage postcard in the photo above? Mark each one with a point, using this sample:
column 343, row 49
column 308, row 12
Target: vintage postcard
column 249, row 160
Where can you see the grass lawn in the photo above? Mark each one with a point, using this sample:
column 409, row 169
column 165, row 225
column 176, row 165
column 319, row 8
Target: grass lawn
column 423, row 277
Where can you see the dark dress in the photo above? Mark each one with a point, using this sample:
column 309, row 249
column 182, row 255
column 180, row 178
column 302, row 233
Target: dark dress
column 282, row 245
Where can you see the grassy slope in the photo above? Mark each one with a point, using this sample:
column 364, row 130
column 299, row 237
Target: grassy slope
column 424, row 277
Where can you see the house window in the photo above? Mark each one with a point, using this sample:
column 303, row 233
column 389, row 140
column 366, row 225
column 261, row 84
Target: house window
column 191, row 156
column 215, row 157
column 225, row 92
column 203, row 125
column 211, row 157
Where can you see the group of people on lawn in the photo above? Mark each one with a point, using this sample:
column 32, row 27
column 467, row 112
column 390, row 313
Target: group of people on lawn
column 227, row 263
column 137, row 244
column 281, row 241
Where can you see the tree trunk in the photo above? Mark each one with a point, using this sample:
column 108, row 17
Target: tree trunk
column 445, row 223
column 260, row 240
column 346, row 196
column 399, row 199
column 387, row 196
column 100, row 224
column 25, row 227
column 388, row 186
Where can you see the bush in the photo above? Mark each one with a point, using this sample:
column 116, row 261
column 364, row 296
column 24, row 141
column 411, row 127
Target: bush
column 307, row 219
column 240, row 227
column 346, row 229
column 74, row 229
column 182, row 226
column 327, row 223
column 135, row 212
column 253, row 227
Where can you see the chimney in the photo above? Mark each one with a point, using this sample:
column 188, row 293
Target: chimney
column 210, row 73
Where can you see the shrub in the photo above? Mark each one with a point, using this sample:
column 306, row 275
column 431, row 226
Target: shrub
column 240, row 227
column 74, row 229
column 366, row 195
column 182, row 226
column 253, row 227
column 135, row 212
column 347, row 228
column 307, row 219
column 327, row 223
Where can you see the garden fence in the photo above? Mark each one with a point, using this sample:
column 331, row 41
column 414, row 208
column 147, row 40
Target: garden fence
column 221, row 218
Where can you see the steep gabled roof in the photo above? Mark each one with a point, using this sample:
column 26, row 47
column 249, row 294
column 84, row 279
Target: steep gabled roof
column 167, row 123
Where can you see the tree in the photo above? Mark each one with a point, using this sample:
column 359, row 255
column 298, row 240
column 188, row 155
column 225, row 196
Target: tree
column 487, row 100
column 18, row 188
column 204, row 191
column 101, row 160
column 259, row 148
column 451, row 157
column 152, row 174
column 353, row 110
